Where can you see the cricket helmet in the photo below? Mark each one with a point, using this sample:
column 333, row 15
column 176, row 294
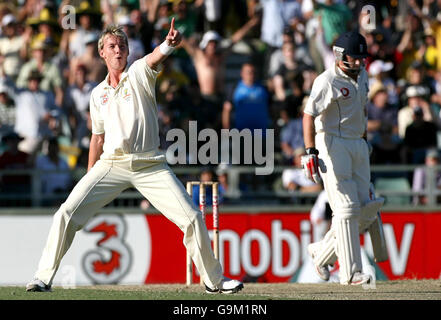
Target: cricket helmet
column 350, row 44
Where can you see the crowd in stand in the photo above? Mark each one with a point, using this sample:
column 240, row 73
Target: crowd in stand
column 49, row 65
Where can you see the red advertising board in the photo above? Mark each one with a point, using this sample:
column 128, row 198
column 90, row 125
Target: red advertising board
column 271, row 247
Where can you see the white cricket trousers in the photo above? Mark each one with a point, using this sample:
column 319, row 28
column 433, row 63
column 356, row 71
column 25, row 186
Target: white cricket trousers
column 102, row 184
column 346, row 177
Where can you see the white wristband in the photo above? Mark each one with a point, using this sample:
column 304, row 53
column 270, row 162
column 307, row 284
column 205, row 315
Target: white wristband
column 165, row 49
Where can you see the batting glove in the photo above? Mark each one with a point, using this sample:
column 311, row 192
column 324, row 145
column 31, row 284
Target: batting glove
column 310, row 164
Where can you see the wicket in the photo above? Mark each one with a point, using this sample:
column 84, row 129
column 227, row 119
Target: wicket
column 202, row 206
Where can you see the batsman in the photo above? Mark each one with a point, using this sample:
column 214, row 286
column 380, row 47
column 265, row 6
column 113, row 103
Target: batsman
column 124, row 154
column 334, row 128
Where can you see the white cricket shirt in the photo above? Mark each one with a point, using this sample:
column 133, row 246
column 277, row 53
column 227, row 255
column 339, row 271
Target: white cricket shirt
column 127, row 114
column 338, row 103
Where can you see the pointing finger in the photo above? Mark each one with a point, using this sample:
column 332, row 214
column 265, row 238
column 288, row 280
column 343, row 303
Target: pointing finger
column 172, row 25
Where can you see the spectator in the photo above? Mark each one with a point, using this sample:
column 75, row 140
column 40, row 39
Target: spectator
column 416, row 75
column 185, row 21
column 7, row 110
column 301, row 54
column 382, row 127
column 416, row 97
column 289, row 69
column 31, row 9
column 291, row 136
column 168, row 77
column 53, row 183
column 313, row 34
column 185, row 17
column 420, row 181
column 166, row 123
column 386, row 146
column 335, row 18
column 276, row 17
column 249, row 99
column 222, row 176
column 420, row 135
column 51, row 77
column 430, row 56
column 222, row 16
column 136, row 48
column 436, row 96
column 46, row 25
column 143, row 26
column 11, row 47
column 224, row 184
column 293, row 179
column 379, row 111
column 408, row 48
column 161, row 22
column 35, row 110
column 77, row 106
column 89, row 19
column 321, row 51
column 379, row 71
column 434, row 22
column 209, row 59
column 13, row 159
column 91, row 60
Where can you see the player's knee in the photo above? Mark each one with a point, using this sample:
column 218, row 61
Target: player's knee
column 348, row 210
column 67, row 215
column 195, row 216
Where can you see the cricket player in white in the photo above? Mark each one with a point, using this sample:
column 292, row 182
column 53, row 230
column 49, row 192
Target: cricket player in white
column 124, row 153
column 334, row 122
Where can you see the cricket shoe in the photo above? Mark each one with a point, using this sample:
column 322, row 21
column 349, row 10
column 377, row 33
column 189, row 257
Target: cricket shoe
column 322, row 271
column 36, row 285
column 225, row 286
column 360, row 278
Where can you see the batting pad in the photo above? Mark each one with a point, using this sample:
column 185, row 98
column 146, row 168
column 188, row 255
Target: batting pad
column 348, row 245
column 378, row 240
column 369, row 213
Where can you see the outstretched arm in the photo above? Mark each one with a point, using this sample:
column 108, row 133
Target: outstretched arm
column 239, row 34
column 161, row 52
column 189, row 46
column 242, row 32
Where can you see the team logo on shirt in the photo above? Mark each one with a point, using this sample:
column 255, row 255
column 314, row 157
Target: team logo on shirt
column 126, row 94
column 104, row 98
column 344, row 92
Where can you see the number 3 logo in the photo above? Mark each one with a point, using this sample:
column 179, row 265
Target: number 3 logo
column 112, row 258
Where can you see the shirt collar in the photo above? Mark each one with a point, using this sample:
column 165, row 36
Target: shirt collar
column 340, row 73
column 123, row 76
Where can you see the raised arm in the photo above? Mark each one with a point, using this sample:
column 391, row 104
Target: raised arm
column 189, row 46
column 161, row 52
column 239, row 34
